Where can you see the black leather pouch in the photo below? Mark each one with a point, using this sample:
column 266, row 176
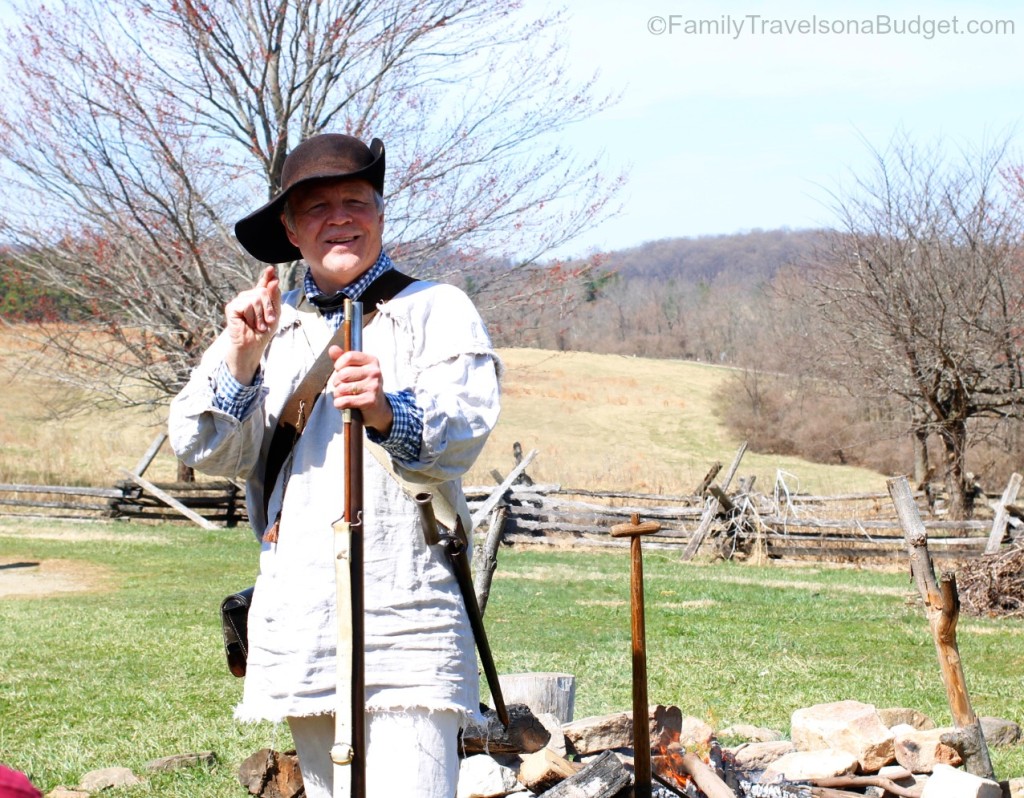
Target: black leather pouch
column 234, row 615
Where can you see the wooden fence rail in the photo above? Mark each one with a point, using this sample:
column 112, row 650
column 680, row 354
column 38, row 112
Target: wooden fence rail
column 853, row 526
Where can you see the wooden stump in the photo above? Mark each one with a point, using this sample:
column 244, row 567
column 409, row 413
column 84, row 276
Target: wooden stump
column 270, row 774
column 553, row 693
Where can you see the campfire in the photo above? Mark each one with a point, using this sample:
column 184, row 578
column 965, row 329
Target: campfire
column 692, row 773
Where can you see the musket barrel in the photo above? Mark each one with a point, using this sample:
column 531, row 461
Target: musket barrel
column 353, row 440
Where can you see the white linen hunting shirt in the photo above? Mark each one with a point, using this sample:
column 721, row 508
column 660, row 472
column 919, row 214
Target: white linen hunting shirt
column 419, row 647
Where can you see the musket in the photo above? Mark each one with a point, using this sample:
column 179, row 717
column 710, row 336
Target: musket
column 456, row 547
column 349, row 750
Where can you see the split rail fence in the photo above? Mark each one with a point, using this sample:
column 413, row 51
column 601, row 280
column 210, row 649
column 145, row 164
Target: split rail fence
column 715, row 520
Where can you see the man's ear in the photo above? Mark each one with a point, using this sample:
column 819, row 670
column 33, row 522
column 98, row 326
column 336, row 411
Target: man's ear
column 288, row 230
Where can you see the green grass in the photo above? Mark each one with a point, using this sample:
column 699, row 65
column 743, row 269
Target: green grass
column 133, row 670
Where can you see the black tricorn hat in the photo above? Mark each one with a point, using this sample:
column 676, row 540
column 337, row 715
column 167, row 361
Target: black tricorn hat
column 328, row 155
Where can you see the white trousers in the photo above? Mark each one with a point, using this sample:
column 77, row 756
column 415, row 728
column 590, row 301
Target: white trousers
column 412, row 754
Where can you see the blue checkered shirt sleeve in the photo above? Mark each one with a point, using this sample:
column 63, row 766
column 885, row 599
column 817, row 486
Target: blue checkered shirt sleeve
column 230, row 396
column 403, row 441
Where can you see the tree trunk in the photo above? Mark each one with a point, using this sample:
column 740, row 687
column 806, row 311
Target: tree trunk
column 186, row 473
column 921, row 470
column 954, row 442
column 551, row 693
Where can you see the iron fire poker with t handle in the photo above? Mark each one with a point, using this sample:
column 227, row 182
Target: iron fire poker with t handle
column 641, row 727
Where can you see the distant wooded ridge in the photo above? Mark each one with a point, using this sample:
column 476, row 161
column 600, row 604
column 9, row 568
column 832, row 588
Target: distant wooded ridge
column 748, row 258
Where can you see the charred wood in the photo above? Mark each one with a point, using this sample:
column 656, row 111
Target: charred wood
column 525, row 733
column 603, row 777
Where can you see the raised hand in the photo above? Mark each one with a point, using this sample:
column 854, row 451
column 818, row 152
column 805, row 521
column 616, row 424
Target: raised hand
column 252, row 318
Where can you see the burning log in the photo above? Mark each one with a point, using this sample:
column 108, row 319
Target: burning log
column 691, row 766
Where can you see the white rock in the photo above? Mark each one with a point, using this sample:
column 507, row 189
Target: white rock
column 920, row 751
column 753, row 734
column 554, row 726
column 695, row 733
column 758, row 756
column 894, row 716
column 481, row 777
column 845, row 726
column 804, row 765
column 948, row 782
column 96, row 780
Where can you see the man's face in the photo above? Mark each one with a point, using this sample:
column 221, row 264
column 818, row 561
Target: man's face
column 337, row 228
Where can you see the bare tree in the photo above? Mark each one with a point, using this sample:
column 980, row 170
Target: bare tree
column 134, row 132
column 921, row 289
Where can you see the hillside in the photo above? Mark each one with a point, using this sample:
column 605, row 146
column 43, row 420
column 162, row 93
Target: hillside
column 599, row 421
column 614, row 422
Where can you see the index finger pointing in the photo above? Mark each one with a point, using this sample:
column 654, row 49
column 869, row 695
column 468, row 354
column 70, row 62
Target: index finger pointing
column 268, row 276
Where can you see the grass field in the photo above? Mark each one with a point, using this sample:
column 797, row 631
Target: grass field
column 125, row 665
column 130, row 668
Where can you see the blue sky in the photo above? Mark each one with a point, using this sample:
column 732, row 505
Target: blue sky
column 752, row 129
column 747, row 128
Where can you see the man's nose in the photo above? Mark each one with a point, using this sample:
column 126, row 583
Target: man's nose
column 339, row 213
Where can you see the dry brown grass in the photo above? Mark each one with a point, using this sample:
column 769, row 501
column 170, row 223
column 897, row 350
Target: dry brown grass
column 614, row 422
column 49, row 436
column 598, row 421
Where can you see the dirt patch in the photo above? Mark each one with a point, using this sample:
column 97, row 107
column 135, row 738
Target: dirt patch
column 553, row 573
column 38, row 579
